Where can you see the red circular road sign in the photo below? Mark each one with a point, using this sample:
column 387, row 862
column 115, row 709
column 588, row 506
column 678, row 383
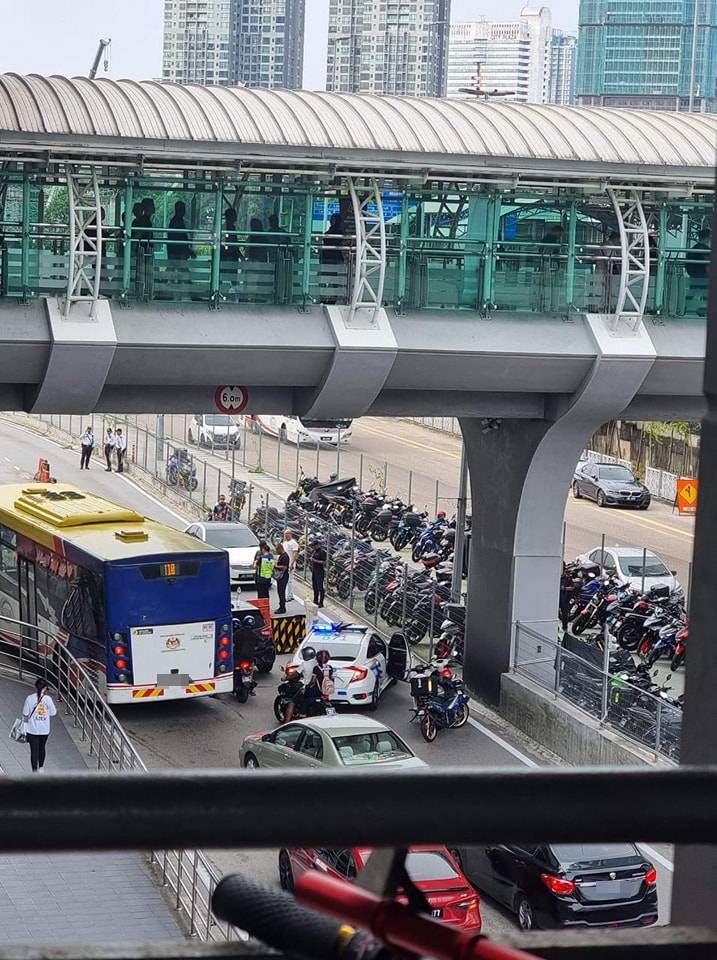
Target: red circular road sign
column 231, row 399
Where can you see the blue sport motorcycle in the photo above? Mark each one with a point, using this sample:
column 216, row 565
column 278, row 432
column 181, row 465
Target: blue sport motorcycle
column 440, row 701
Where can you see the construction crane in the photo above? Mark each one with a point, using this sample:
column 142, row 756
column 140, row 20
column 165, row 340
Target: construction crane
column 102, row 47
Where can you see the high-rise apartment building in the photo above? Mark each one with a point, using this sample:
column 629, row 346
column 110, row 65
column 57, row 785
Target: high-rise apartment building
column 196, row 41
column 509, row 57
column 255, row 42
column 388, row 46
column 267, row 42
column 647, row 53
column 561, row 81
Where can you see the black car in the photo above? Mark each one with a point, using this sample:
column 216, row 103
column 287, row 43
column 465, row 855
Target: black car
column 610, row 484
column 567, row 884
column 252, row 634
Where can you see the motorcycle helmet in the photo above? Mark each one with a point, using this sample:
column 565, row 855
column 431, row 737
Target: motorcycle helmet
column 441, row 515
column 308, row 653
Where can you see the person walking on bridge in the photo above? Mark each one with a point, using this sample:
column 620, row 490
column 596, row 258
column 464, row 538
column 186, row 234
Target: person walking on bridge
column 36, row 712
column 87, row 443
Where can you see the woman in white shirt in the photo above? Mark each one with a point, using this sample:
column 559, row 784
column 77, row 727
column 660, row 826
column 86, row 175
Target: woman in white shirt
column 36, row 713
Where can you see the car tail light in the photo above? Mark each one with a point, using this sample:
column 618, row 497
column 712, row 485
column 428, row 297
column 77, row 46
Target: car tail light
column 470, row 904
column 359, row 673
column 557, row 885
column 651, row 877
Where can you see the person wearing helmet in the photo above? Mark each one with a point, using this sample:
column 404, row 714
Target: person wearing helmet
column 318, row 676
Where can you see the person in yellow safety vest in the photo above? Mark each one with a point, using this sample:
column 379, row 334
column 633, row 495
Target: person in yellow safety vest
column 264, row 568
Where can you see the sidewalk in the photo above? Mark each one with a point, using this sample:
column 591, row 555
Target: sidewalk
column 72, row 898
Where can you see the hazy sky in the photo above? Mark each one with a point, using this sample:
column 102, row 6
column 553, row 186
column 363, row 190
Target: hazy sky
column 60, row 36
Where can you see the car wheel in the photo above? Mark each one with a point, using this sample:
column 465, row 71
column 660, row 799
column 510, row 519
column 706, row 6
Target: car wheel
column 250, row 762
column 373, row 704
column 286, row 874
column 524, row 911
column 644, row 506
column 600, row 499
column 576, row 491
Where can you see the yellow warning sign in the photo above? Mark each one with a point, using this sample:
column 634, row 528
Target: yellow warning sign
column 687, row 495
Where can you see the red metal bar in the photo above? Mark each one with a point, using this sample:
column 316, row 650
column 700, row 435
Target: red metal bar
column 396, row 924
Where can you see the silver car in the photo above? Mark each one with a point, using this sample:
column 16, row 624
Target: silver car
column 341, row 741
column 237, row 539
column 634, row 567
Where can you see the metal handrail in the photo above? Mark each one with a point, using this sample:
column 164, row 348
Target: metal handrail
column 561, row 654
column 187, row 873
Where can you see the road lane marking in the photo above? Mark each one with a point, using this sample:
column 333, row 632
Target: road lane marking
column 405, row 440
column 159, row 503
column 648, row 520
column 508, row 747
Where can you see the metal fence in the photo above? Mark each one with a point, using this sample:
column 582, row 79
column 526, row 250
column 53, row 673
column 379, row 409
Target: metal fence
column 614, row 702
column 31, row 651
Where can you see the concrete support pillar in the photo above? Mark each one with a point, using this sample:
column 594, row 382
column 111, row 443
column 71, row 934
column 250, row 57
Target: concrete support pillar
column 520, row 474
column 696, row 866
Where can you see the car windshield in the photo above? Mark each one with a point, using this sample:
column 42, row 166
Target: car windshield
column 382, row 746
column 338, row 649
column 633, row 566
column 579, row 854
column 615, row 473
column 228, row 537
column 218, row 420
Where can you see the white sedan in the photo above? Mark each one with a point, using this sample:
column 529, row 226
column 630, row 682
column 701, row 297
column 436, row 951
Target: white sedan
column 364, row 664
column 627, row 566
column 237, row 539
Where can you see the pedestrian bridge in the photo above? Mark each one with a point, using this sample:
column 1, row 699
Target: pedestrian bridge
column 157, row 241
column 534, row 270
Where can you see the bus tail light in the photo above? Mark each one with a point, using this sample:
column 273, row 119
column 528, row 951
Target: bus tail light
column 223, row 646
column 224, row 654
column 121, row 666
column 224, row 641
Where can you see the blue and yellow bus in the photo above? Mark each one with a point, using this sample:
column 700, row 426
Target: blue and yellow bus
column 146, row 609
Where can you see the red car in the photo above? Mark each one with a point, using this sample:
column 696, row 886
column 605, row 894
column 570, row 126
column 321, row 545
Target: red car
column 434, row 871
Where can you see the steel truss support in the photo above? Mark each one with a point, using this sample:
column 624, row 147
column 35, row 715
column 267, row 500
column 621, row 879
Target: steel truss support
column 370, row 264
column 635, row 256
column 83, row 280
column 448, row 218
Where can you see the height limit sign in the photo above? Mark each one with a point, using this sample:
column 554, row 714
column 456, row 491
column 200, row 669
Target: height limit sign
column 231, row 399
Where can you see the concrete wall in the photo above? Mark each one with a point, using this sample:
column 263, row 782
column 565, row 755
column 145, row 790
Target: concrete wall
column 564, row 730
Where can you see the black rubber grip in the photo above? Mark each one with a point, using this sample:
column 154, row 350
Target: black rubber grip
column 275, row 918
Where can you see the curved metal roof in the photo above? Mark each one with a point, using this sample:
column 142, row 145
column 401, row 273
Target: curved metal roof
column 41, row 109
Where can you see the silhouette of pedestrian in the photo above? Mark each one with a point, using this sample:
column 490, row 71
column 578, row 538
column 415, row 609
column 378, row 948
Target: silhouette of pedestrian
column 256, row 244
column 232, row 252
column 178, row 246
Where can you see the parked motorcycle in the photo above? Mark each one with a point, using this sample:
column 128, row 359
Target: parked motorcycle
column 440, row 700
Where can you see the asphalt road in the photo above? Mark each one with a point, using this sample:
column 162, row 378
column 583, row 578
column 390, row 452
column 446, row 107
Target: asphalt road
column 207, row 732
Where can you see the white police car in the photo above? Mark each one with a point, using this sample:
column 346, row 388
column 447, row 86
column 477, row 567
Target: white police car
column 364, row 664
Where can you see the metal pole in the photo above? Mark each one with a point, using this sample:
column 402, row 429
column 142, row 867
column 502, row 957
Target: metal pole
column 317, row 458
column 435, row 509
column 278, row 456
column 248, row 502
column 306, row 546
column 385, row 476
column 403, row 599
column 261, row 434
column 219, row 482
column 565, row 527
column 644, row 560
column 375, row 608
column 185, row 429
column 338, row 455
column 693, row 61
column 266, row 516
column 351, row 570
column 605, row 672
column 459, row 545
column 431, row 624
column 361, row 472
column 602, row 554
column 146, row 448
column 234, row 454
column 243, row 453
column 298, row 454
column 160, row 437
column 328, row 552
column 658, row 726
column 410, row 486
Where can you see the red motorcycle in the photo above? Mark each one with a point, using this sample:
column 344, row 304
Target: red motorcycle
column 680, row 654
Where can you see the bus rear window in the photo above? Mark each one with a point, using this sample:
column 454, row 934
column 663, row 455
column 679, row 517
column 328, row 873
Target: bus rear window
column 170, row 569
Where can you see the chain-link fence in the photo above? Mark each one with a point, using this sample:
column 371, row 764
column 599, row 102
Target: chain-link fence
column 611, row 699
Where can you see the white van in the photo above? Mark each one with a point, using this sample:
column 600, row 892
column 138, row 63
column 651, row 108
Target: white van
column 214, row 430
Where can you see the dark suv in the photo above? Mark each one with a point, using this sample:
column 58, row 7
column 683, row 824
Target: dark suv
column 567, row 884
column 610, row 484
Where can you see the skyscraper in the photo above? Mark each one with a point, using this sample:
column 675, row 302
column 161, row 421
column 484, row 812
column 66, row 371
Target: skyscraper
column 196, row 41
column 255, row 42
column 561, row 82
column 511, row 57
column 646, row 53
column 267, row 42
column 387, row 46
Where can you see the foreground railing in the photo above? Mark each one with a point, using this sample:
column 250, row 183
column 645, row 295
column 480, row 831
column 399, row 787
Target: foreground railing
column 610, row 699
column 32, row 652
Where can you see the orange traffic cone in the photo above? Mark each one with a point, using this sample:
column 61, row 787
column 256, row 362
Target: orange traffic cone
column 43, row 471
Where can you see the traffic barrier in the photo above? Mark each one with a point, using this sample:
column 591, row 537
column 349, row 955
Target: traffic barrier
column 288, row 632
